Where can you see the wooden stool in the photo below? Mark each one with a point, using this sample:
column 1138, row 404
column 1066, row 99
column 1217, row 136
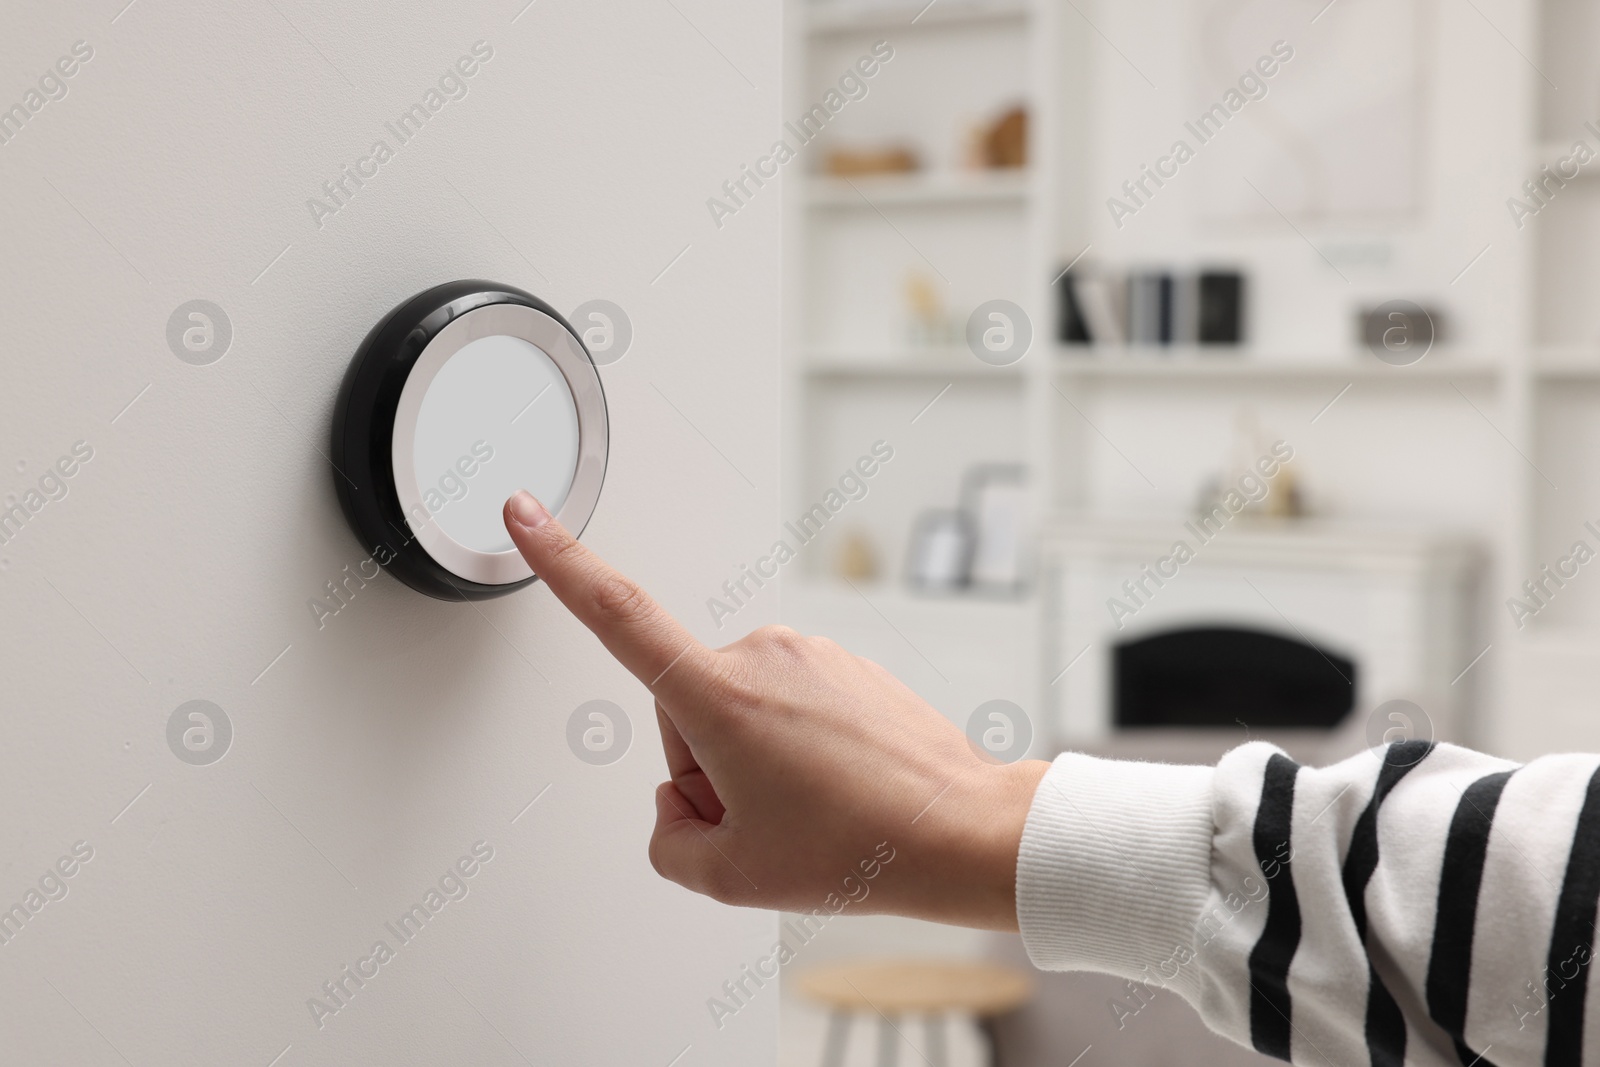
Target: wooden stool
column 934, row 989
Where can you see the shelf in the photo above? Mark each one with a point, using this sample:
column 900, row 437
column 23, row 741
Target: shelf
column 1551, row 152
column 911, row 366
column 975, row 188
column 1152, row 367
column 839, row 18
column 1320, row 544
column 1180, row 366
column 1574, row 364
column 1191, row 365
column 1581, row 640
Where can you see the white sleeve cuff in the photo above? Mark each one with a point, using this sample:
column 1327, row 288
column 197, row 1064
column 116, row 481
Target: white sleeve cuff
column 1115, row 864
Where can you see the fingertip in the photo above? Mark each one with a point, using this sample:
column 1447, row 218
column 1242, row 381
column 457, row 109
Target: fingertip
column 535, row 532
column 524, row 509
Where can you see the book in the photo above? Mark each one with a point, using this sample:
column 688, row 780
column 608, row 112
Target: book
column 1221, row 308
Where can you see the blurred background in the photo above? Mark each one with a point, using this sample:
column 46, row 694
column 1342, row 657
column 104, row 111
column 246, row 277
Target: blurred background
column 1166, row 374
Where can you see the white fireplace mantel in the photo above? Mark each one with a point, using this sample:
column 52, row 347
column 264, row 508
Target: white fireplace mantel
column 1398, row 600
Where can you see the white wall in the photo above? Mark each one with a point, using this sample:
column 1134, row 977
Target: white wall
column 378, row 749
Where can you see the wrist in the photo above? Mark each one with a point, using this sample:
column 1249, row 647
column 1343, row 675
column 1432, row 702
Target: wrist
column 979, row 865
column 1016, row 784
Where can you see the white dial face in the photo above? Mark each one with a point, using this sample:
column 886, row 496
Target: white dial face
column 502, row 398
column 498, row 416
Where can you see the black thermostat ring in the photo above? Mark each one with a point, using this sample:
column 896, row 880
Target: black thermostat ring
column 365, row 423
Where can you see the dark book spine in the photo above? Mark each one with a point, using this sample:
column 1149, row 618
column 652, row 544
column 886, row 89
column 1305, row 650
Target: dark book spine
column 1070, row 327
column 1164, row 308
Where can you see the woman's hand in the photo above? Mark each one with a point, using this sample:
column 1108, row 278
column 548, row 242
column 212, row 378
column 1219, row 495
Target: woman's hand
column 795, row 764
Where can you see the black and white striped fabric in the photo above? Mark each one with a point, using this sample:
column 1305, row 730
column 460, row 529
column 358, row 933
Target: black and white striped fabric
column 1416, row 904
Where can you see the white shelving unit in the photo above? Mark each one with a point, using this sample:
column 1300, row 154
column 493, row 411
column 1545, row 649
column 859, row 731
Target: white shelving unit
column 1553, row 383
column 1475, row 439
column 853, row 377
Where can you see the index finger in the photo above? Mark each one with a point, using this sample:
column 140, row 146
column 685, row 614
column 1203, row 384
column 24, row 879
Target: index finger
column 642, row 635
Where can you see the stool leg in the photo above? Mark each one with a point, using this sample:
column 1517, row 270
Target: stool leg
column 888, row 1043
column 938, row 1055
column 838, row 1035
column 991, row 1039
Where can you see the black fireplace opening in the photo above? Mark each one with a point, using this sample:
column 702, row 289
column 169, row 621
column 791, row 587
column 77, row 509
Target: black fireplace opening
column 1221, row 676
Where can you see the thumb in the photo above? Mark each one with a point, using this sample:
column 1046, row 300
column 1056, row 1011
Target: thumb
column 683, row 849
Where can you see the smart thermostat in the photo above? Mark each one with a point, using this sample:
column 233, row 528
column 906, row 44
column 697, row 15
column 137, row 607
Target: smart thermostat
column 458, row 398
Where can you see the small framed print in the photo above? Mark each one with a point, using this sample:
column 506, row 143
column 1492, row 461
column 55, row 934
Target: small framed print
column 995, row 497
column 941, row 551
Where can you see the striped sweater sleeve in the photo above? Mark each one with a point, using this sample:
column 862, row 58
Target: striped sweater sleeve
column 1415, row 904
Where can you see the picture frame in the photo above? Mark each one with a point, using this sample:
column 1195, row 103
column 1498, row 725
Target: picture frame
column 940, row 554
column 994, row 496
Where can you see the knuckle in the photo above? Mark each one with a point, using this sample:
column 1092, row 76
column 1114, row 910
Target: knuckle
column 619, row 599
column 711, row 875
column 780, row 639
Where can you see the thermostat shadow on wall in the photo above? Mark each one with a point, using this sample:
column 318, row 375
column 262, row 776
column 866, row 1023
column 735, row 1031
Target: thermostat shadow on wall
column 459, row 397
